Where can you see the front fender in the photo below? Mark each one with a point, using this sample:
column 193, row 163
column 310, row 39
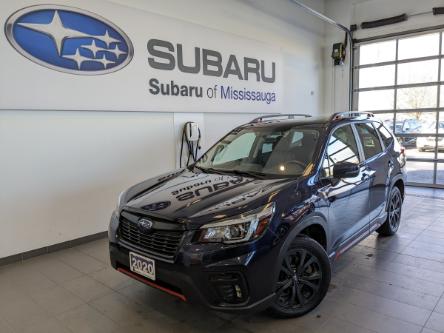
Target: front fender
column 304, row 222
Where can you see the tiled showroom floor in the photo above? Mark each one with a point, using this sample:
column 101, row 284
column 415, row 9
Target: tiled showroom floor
column 383, row 285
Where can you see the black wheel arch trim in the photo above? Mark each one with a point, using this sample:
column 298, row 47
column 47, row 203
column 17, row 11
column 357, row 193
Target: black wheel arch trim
column 312, row 219
column 393, row 181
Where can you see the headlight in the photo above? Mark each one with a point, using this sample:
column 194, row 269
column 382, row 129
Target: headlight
column 120, row 201
column 242, row 229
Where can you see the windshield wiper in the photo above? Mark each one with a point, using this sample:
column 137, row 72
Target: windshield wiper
column 211, row 170
column 254, row 174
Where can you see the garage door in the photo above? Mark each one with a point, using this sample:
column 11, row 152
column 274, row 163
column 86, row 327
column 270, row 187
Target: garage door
column 400, row 80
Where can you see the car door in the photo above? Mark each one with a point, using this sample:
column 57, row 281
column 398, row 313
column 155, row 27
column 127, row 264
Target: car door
column 348, row 197
column 378, row 166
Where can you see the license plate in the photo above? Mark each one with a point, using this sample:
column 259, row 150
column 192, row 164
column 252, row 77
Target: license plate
column 142, row 265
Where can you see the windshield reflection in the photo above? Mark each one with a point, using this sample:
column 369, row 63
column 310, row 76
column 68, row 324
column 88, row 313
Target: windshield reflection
column 263, row 152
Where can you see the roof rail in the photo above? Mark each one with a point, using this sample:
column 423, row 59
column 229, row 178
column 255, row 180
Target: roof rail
column 288, row 115
column 351, row 114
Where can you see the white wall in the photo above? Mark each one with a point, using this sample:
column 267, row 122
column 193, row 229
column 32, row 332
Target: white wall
column 350, row 12
column 371, row 10
column 61, row 171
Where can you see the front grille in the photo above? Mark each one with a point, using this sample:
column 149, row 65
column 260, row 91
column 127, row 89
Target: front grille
column 161, row 242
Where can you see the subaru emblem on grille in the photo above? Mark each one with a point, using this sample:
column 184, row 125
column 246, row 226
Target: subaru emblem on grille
column 145, row 225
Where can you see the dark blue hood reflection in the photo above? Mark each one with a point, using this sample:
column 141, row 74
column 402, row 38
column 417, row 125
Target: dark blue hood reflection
column 200, row 196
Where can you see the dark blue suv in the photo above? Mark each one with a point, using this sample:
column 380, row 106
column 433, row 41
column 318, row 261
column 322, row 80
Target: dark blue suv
column 260, row 218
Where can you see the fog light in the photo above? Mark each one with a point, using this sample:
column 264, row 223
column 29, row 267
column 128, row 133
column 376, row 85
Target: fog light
column 231, row 287
column 238, row 291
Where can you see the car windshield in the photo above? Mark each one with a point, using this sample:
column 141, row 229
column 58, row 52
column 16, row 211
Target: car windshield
column 262, row 151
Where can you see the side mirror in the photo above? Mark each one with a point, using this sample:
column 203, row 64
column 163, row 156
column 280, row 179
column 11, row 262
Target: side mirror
column 345, row 170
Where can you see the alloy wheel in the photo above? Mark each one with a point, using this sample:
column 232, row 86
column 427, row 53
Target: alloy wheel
column 299, row 280
column 395, row 210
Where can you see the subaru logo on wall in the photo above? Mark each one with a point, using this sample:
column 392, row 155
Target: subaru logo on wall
column 69, row 40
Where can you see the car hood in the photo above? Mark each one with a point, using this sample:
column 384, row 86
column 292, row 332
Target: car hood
column 198, row 197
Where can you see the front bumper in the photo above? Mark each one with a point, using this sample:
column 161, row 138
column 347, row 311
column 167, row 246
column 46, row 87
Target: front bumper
column 220, row 277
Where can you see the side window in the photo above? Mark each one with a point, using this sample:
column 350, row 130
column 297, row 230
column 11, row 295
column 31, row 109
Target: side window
column 296, row 140
column 342, row 147
column 386, row 137
column 239, row 148
column 369, row 139
column 267, row 144
column 267, row 147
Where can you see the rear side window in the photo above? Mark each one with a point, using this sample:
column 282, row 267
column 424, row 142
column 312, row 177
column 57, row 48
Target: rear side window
column 386, row 137
column 369, row 139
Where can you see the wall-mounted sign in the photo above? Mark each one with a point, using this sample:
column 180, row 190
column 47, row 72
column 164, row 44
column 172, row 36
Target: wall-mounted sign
column 164, row 56
column 152, row 63
column 68, row 39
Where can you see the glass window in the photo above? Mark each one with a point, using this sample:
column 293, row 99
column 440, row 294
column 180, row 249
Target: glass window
column 342, row 147
column 377, row 52
column 297, row 138
column 387, row 119
column 239, row 148
column 420, row 172
column 267, row 152
column 267, row 148
column 418, row 46
column 377, row 76
column 424, row 148
column 418, row 72
column 441, row 93
column 440, row 140
column 415, row 123
column 410, row 109
column 369, row 140
column 376, row 100
column 417, row 98
column 440, row 174
column 386, row 136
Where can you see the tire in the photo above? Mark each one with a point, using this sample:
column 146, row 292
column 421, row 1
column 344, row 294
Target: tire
column 421, row 150
column 300, row 288
column 394, row 208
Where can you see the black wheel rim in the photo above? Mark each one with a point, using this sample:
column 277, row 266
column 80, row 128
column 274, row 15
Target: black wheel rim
column 395, row 210
column 299, row 280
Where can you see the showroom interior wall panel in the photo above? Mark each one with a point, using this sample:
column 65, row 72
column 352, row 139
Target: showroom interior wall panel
column 62, row 171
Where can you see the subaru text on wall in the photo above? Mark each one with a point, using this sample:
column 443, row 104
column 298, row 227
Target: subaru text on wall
column 259, row 219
